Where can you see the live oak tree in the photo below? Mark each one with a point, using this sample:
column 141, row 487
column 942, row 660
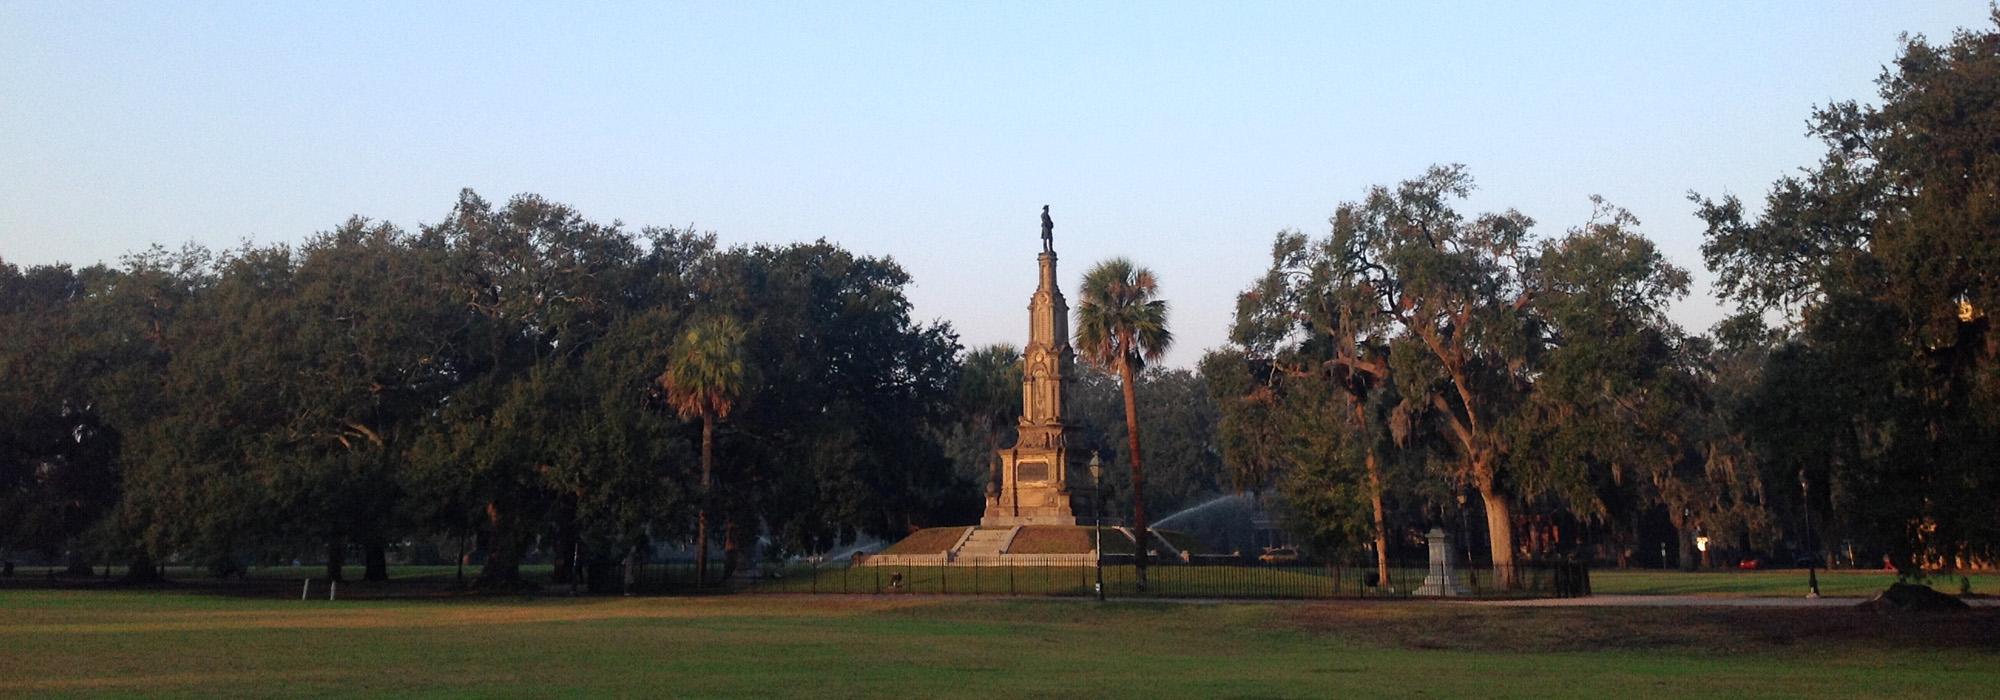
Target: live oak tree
column 1623, row 418
column 59, row 466
column 1409, row 295
column 1462, row 342
column 1316, row 323
column 133, row 332
column 373, row 329
column 492, row 374
column 1292, row 431
column 541, row 285
column 1879, row 263
column 845, row 443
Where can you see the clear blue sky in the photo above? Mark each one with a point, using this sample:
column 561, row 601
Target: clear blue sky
column 1181, row 135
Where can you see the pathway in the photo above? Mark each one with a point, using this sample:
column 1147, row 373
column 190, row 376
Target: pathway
column 1694, row 601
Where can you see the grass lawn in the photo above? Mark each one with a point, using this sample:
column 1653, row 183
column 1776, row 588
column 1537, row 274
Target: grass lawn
column 166, row 643
column 1784, row 583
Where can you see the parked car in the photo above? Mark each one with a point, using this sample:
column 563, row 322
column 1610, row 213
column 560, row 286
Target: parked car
column 1279, row 555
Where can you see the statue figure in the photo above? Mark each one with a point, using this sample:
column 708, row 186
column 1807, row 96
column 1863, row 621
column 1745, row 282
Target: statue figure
column 1048, row 231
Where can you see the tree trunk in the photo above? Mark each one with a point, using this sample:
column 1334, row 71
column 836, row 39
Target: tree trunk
column 1141, row 538
column 1627, row 545
column 375, row 553
column 76, row 562
column 1499, row 534
column 731, row 555
column 336, row 558
column 701, row 513
column 502, row 568
column 1374, row 466
column 566, row 552
column 1685, row 549
column 141, row 568
column 631, row 569
column 1381, row 521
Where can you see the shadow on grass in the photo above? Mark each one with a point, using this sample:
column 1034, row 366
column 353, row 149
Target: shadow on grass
column 1693, row 630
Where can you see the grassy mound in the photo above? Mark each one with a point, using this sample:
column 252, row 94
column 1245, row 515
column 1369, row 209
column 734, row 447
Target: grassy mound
column 1055, row 539
column 1910, row 597
column 1040, row 539
column 930, row 540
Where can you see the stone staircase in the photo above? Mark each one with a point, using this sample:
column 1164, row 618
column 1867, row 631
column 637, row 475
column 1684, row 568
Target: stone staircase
column 984, row 545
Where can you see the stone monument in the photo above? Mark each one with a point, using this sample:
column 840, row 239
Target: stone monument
column 1033, row 488
column 1442, row 580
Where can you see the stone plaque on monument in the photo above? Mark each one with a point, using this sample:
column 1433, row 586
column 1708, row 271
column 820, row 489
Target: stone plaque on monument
column 1032, row 471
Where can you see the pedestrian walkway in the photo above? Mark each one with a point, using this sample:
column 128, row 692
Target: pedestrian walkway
column 1693, row 601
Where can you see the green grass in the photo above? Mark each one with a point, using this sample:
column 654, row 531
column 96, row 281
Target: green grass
column 1782, row 583
column 155, row 644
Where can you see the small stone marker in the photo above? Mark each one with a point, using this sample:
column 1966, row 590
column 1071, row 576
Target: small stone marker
column 1442, row 580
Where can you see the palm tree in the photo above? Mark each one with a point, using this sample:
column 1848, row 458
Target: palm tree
column 705, row 377
column 1121, row 325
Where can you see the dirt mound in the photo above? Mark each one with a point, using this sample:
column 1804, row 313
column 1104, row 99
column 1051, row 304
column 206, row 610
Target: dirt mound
column 1910, row 597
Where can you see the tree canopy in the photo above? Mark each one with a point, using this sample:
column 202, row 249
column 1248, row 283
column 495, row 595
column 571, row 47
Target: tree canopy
column 1880, row 389
column 497, row 375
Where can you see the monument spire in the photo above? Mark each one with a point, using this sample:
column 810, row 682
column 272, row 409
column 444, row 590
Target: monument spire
column 1034, row 474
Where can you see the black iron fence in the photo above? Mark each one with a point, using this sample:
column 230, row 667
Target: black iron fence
column 1064, row 575
column 1196, row 578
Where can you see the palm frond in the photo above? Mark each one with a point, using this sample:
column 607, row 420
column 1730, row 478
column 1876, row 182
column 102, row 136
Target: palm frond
column 706, row 370
column 1120, row 317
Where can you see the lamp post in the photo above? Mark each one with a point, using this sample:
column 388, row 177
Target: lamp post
column 1805, row 506
column 1097, row 509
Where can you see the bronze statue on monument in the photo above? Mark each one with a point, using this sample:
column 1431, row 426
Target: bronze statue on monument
column 1048, row 231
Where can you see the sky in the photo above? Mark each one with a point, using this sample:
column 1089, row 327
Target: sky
column 1181, row 135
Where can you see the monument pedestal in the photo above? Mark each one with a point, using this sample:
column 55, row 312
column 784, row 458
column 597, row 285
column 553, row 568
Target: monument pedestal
column 1442, row 580
column 1034, row 489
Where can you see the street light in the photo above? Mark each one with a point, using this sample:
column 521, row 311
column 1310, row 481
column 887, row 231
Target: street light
column 1812, row 571
column 1097, row 509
